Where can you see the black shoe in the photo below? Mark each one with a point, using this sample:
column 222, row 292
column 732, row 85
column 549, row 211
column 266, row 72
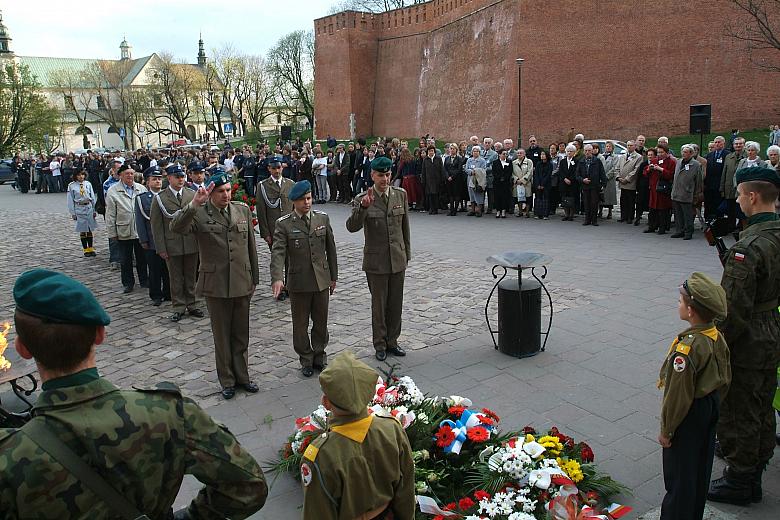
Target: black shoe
column 307, row 371
column 128, row 289
column 381, row 355
column 250, row 387
column 731, row 488
column 156, row 302
column 688, row 237
column 595, row 224
column 396, row 351
column 677, row 235
column 228, row 392
column 661, row 232
column 756, row 492
column 319, row 367
column 586, row 223
column 176, row 316
column 648, row 230
column 196, row 312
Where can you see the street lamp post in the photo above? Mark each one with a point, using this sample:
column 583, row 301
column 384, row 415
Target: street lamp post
column 519, row 62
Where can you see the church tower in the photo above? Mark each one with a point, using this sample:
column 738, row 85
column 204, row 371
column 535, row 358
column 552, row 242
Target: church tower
column 201, row 52
column 5, row 40
column 124, row 48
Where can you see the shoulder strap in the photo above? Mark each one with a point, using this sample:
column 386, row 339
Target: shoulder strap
column 37, row 431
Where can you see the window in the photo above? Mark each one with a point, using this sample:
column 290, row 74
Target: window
column 279, row 118
column 157, row 100
column 69, row 102
column 100, row 103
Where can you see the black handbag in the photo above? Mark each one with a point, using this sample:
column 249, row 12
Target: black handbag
column 664, row 186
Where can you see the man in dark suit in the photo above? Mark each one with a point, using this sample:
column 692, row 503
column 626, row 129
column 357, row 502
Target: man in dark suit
column 715, row 162
column 341, row 163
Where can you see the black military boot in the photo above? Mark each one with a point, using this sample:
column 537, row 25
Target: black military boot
column 756, row 493
column 732, row 488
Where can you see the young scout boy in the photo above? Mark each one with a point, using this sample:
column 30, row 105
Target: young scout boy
column 695, row 376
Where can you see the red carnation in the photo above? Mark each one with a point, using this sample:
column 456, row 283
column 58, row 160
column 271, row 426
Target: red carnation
column 478, row 434
column 482, row 495
column 586, row 453
column 490, row 413
column 252, row 208
column 456, row 410
column 438, row 517
column 450, row 507
column 465, row 503
column 244, row 198
column 529, row 430
column 444, row 436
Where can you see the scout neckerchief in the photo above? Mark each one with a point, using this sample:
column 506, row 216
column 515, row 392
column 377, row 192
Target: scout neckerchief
column 711, row 333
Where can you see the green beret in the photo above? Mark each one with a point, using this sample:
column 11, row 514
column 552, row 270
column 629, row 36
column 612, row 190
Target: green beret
column 56, row 298
column 758, row 173
column 381, row 164
column 349, row 384
column 706, row 294
column 219, row 177
column 299, row 190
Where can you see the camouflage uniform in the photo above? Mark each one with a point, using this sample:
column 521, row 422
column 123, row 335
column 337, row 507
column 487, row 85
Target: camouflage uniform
column 142, row 442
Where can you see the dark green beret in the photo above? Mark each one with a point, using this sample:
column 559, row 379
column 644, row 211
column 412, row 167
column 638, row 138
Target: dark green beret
column 57, row 298
column 219, row 177
column 299, row 189
column 758, row 173
column 706, row 294
column 381, row 164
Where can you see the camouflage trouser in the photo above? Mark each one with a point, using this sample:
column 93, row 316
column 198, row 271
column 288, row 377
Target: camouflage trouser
column 746, row 429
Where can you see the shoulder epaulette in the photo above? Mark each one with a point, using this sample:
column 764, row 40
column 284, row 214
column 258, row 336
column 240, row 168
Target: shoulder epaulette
column 684, row 344
column 239, row 203
column 163, row 386
column 318, row 212
column 283, row 217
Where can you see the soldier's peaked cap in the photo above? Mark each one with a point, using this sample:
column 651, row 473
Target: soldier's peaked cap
column 57, row 298
column 152, row 171
column 349, row 384
column 299, row 190
column 175, row 169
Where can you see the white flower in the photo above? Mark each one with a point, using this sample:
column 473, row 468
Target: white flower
column 456, row 400
column 540, row 478
column 534, row 449
column 521, row 516
column 423, row 418
column 489, row 508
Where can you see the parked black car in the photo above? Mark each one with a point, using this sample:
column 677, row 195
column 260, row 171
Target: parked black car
column 6, row 171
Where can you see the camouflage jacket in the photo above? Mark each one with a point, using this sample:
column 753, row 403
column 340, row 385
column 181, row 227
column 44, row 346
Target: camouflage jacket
column 142, row 442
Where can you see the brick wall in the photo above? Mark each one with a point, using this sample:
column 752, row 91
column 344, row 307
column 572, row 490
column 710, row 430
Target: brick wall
column 607, row 68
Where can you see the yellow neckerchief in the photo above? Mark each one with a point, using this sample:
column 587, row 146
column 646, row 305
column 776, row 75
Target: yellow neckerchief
column 711, row 333
column 81, row 189
column 355, row 430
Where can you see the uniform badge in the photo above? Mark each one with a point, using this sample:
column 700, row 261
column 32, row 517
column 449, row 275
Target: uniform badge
column 306, row 474
column 739, row 257
column 679, row 363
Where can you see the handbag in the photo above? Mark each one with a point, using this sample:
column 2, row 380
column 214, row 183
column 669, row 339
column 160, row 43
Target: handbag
column 664, row 186
column 521, row 192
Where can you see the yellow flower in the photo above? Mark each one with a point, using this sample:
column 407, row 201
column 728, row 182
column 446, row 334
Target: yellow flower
column 552, row 444
column 571, row 468
column 529, row 438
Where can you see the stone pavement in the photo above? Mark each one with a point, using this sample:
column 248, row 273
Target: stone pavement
column 614, row 291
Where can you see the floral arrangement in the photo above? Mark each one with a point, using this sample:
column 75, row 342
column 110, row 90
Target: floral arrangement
column 240, row 194
column 465, row 467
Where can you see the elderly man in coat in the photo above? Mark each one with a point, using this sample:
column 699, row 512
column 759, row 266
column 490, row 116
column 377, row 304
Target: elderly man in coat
column 627, row 176
column 120, row 226
column 687, row 183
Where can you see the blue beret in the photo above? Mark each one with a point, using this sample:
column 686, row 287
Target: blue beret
column 175, row 169
column 300, row 189
column 196, row 166
column 57, row 298
column 219, row 177
column 758, row 173
column 381, row 164
column 152, row 171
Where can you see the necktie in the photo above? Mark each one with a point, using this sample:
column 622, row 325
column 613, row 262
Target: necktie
column 178, row 197
column 306, row 220
column 224, row 213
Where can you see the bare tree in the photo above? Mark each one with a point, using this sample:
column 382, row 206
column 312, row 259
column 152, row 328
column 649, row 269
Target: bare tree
column 106, row 81
column 291, row 62
column 759, row 29
column 76, row 98
column 255, row 93
column 174, row 87
column 373, row 6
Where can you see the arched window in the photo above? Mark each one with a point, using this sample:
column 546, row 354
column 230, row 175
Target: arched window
column 83, row 130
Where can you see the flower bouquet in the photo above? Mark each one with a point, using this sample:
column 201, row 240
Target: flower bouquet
column 239, row 194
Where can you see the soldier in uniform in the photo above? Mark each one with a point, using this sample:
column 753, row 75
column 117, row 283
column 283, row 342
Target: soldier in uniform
column 228, row 274
column 137, row 443
column 272, row 202
column 383, row 213
column 695, row 377
column 159, row 281
column 305, row 249
column 179, row 250
column 197, row 176
column 751, row 279
column 362, row 466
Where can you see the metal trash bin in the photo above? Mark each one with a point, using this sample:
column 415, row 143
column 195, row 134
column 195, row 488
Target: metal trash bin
column 519, row 317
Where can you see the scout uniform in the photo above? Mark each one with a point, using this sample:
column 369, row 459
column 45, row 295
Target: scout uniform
column 181, row 248
column 386, row 253
column 362, row 467
column 159, row 281
column 227, row 278
column 695, row 376
column 751, row 279
column 81, row 206
column 140, row 442
column 305, row 244
column 273, row 201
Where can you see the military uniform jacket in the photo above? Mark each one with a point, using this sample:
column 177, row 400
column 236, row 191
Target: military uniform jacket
column 272, row 203
column 164, row 207
column 358, row 466
column 310, row 252
column 141, row 442
column 385, row 226
column 697, row 365
column 751, row 279
column 228, row 255
column 143, row 224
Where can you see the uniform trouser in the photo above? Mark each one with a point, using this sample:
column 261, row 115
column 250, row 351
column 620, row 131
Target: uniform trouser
column 230, row 328
column 591, row 199
column 314, row 305
column 322, row 187
column 159, row 282
column 387, row 299
column 127, row 249
column 627, row 204
column 712, row 201
column 688, row 463
column 183, row 271
column 683, row 217
column 746, row 429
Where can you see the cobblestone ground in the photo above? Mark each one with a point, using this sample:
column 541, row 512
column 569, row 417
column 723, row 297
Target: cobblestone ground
column 614, row 297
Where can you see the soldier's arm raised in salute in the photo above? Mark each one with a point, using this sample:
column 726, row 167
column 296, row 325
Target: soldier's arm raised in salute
column 357, row 218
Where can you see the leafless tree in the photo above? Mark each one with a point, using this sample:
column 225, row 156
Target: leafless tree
column 255, row 94
column 174, row 86
column 76, row 98
column 291, row 62
column 758, row 26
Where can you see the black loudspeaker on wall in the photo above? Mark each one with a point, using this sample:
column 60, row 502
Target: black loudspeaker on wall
column 286, row 133
column 701, row 117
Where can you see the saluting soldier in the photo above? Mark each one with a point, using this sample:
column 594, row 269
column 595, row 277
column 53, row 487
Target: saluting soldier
column 383, row 214
column 695, row 377
column 751, row 279
column 137, row 444
column 179, row 250
column 362, row 466
column 228, row 274
column 304, row 247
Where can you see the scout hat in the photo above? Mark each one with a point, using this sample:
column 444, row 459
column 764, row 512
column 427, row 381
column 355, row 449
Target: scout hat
column 152, row 171
column 758, row 173
column 706, row 294
column 219, row 177
column 56, row 298
column 349, row 384
column 175, row 169
column 299, row 190
column 381, row 164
